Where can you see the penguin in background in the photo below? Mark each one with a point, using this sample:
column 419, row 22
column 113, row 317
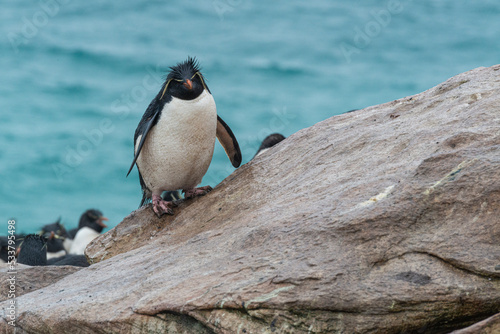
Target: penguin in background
column 174, row 141
column 33, row 250
column 90, row 227
column 269, row 142
column 56, row 238
column 4, row 249
column 69, row 260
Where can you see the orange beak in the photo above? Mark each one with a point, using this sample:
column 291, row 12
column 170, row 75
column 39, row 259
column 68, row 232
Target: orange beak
column 188, row 84
column 100, row 223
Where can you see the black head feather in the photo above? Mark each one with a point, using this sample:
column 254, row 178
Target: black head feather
column 57, row 227
column 55, row 241
column 92, row 218
column 184, row 81
column 270, row 141
column 184, row 70
column 33, row 250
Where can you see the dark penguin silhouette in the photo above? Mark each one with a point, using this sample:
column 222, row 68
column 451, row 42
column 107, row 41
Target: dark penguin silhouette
column 4, row 249
column 72, row 233
column 269, row 142
column 69, row 260
column 90, row 226
column 56, row 236
column 4, row 246
column 174, row 141
column 33, row 250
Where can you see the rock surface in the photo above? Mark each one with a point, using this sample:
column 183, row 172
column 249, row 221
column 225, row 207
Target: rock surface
column 488, row 326
column 382, row 220
column 28, row 279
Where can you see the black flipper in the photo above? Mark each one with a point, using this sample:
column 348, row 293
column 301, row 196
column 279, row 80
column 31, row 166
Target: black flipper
column 143, row 130
column 228, row 142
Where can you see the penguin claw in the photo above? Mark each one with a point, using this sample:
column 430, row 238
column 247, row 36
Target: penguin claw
column 161, row 207
column 201, row 191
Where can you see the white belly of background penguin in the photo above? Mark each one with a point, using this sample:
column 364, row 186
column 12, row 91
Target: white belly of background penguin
column 174, row 141
column 84, row 236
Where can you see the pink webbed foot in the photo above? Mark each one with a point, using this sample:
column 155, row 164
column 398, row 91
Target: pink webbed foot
column 161, row 207
column 190, row 193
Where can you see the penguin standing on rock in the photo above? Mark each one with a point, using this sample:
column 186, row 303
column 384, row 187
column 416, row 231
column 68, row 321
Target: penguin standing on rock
column 174, row 141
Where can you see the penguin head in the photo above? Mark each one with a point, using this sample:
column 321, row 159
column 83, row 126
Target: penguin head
column 269, row 142
column 94, row 219
column 55, row 242
column 57, row 228
column 33, row 250
column 55, row 234
column 184, row 81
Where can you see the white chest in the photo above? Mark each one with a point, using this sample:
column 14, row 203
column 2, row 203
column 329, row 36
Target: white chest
column 84, row 236
column 179, row 148
column 67, row 244
column 51, row 255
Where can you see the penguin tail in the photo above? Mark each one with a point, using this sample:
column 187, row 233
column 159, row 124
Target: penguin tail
column 146, row 194
column 145, row 199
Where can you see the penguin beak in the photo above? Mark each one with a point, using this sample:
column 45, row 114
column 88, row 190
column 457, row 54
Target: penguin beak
column 49, row 235
column 188, row 84
column 100, row 223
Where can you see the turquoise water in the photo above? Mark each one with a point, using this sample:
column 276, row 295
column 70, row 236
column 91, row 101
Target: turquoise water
column 77, row 76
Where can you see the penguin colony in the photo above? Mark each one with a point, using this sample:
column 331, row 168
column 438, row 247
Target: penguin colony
column 173, row 147
column 53, row 245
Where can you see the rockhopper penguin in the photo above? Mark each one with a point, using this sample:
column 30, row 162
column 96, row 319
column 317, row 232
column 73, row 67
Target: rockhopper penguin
column 269, row 142
column 33, row 250
column 56, row 237
column 90, row 227
column 174, row 141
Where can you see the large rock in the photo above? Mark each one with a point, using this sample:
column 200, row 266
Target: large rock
column 28, row 279
column 383, row 220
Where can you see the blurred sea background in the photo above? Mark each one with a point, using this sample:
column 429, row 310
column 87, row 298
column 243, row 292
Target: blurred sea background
column 76, row 78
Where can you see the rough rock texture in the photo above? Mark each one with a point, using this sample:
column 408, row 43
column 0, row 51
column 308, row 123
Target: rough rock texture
column 488, row 326
column 383, row 220
column 28, row 279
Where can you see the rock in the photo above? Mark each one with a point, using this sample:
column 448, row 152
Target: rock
column 29, row 279
column 382, row 220
column 488, row 326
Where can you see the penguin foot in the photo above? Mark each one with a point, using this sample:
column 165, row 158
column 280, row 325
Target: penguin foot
column 161, row 207
column 201, row 191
